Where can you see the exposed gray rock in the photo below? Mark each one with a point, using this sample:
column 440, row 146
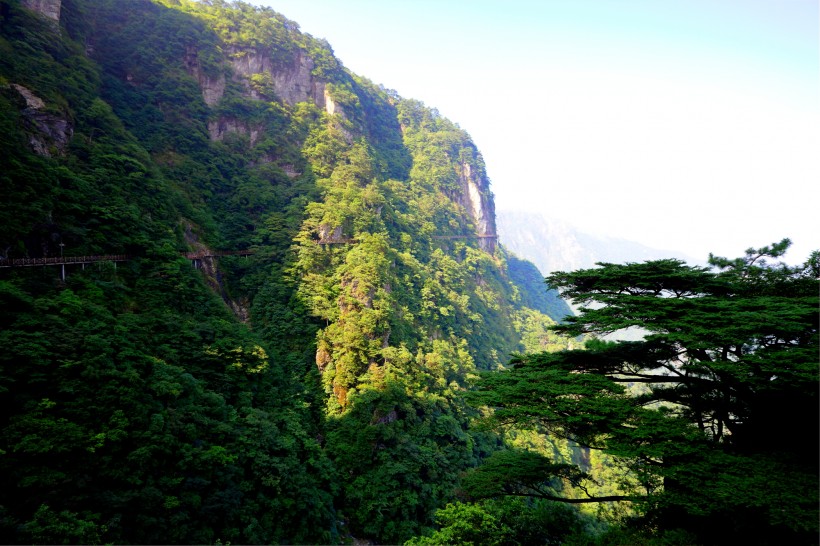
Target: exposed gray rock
column 213, row 86
column 218, row 129
column 292, row 81
column 48, row 134
column 47, row 8
column 475, row 196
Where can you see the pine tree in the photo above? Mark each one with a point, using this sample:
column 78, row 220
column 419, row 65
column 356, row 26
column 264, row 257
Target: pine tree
column 714, row 411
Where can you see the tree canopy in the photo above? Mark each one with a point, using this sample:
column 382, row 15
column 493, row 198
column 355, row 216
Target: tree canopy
column 714, row 412
column 286, row 396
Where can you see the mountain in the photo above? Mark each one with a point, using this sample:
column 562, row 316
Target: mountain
column 244, row 290
column 555, row 245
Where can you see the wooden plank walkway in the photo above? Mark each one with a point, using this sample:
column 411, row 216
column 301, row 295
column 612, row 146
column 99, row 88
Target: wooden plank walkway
column 216, row 253
column 82, row 260
column 337, row 241
column 194, row 256
column 465, row 236
column 63, row 260
column 345, row 241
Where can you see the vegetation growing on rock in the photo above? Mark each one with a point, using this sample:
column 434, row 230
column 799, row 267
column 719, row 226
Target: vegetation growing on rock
column 310, row 390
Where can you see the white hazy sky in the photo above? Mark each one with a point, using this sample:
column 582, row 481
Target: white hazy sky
column 691, row 125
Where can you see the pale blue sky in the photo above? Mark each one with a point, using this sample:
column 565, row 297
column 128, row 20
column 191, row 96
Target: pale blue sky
column 691, row 125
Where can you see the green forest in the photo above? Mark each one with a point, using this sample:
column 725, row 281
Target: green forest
column 251, row 297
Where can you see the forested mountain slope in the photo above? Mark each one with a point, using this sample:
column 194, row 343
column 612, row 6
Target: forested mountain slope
column 305, row 391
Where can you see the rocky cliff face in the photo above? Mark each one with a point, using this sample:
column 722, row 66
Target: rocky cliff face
column 265, row 73
column 213, row 86
column 223, row 126
column 475, row 196
column 292, row 81
column 48, row 133
column 46, row 8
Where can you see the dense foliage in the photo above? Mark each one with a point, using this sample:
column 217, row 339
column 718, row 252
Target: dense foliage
column 314, row 390
column 714, row 413
column 310, row 391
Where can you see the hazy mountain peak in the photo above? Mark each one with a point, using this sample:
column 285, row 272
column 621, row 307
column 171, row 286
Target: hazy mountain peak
column 556, row 245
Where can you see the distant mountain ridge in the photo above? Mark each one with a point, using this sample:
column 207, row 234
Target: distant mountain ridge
column 555, row 245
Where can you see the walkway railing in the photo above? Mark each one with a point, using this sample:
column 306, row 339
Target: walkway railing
column 216, row 253
column 465, row 237
column 63, row 260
